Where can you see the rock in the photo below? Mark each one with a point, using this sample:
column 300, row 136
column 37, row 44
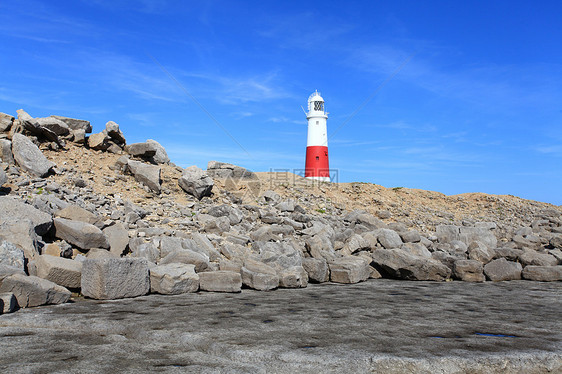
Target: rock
column 354, row 244
column 76, row 124
column 320, row 247
column 349, row 269
column 23, row 115
column 78, row 136
column 160, row 157
column 411, row 236
column 530, row 257
column 6, row 121
column 510, row 254
column 49, row 204
column 81, row 234
column 397, row 264
column 480, row 252
column 388, row 238
column 173, row 279
column 144, row 150
column 293, row 277
column 6, row 151
column 33, row 291
column 113, row 131
column 271, row 196
column 98, row 141
column 3, row 177
column 502, row 270
column 234, row 215
column 98, row 253
column 223, row 170
column 448, row 233
column 118, row 238
column 8, row 302
column 220, row 281
column 115, row 278
column 53, row 124
column 62, row 271
column 11, row 255
column 469, row 271
column 52, row 249
column 187, row 256
column 141, row 249
column 76, row 213
column 286, row 206
column 29, row 157
column 203, row 245
column 542, row 273
column 556, row 241
column 12, row 209
column 259, row 276
column 416, row 249
column 195, row 182
column 317, row 269
column 149, row 175
column 22, row 234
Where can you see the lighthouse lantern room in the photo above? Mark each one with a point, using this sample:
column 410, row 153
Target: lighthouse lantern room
column 317, row 166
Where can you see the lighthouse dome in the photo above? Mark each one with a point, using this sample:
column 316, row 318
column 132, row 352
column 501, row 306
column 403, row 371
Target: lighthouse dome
column 315, row 97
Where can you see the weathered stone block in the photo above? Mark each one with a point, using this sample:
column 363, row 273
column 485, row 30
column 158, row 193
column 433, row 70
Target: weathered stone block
column 220, row 281
column 34, row 291
column 259, row 276
column 173, row 279
column 542, row 273
column 317, row 269
column 503, row 270
column 81, row 234
column 469, row 271
column 115, row 278
column 349, row 269
column 62, row 271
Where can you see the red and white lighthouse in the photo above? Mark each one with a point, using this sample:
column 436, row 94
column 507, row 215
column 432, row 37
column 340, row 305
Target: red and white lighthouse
column 317, row 166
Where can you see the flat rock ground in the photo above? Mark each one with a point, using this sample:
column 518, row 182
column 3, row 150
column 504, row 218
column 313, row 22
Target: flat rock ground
column 381, row 326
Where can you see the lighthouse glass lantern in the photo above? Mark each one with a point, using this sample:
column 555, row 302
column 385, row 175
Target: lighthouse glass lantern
column 317, row 166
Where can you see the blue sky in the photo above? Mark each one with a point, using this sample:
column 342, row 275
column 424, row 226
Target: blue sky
column 476, row 108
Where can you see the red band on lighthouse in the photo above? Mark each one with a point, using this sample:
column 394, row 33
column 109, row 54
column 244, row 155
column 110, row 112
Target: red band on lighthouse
column 317, row 164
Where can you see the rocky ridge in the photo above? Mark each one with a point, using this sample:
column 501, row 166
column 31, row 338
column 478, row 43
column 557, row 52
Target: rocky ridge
column 93, row 215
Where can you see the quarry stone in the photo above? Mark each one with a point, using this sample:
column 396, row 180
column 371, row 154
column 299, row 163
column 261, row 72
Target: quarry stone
column 34, row 291
column 115, row 278
column 62, row 271
column 29, row 157
column 220, row 281
column 81, row 234
column 173, row 279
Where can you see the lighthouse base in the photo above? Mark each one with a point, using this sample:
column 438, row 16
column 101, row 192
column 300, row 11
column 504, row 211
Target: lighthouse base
column 320, row 179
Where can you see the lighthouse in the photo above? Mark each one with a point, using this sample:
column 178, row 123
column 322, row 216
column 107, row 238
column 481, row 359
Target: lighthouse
column 317, row 166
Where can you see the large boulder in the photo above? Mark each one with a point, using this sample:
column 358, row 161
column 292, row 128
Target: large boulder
column 8, row 303
column 99, row 141
column 484, row 234
column 113, row 131
column 503, row 270
column 349, row 269
column 22, row 234
column 160, row 157
column 76, row 124
column 76, row 213
column 149, row 175
column 222, row 170
column 6, row 151
column 293, row 277
column 11, row 255
column 118, row 238
column 62, row 271
column 317, row 269
column 401, row 265
column 12, row 209
column 144, row 150
column 81, row 234
column 388, row 238
column 187, row 256
column 115, row 278
column 469, row 271
column 542, row 273
column 259, row 276
column 6, row 121
column 195, row 182
column 173, row 279
column 34, row 291
column 220, row 281
column 530, row 257
column 480, row 252
column 29, row 157
column 53, row 124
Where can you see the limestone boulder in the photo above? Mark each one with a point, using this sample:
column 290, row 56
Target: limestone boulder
column 144, row 150
column 21, row 233
column 161, row 156
column 173, row 279
column 542, row 273
column 531, row 257
column 53, row 124
column 33, row 291
column 99, row 141
column 149, row 175
column 6, row 121
column 81, row 234
column 28, row 156
column 117, row 237
column 187, row 256
column 62, row 271
column 480, row 252
column 401, row 265
column 388, row 238
column 259, row 276
column 293, row 277
column 76, row 213
column 317, row 269
column 223, row 170
column 6, row 151
column 11, row 255
column 502, row 270
column 469, row 271
column 8, row 303
column 115, row 278
column 220, row 281
column 195, row 182
column 3, row 177
column 113, row 131
column 76, row 124
column 349, row 269
column 13, row 209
